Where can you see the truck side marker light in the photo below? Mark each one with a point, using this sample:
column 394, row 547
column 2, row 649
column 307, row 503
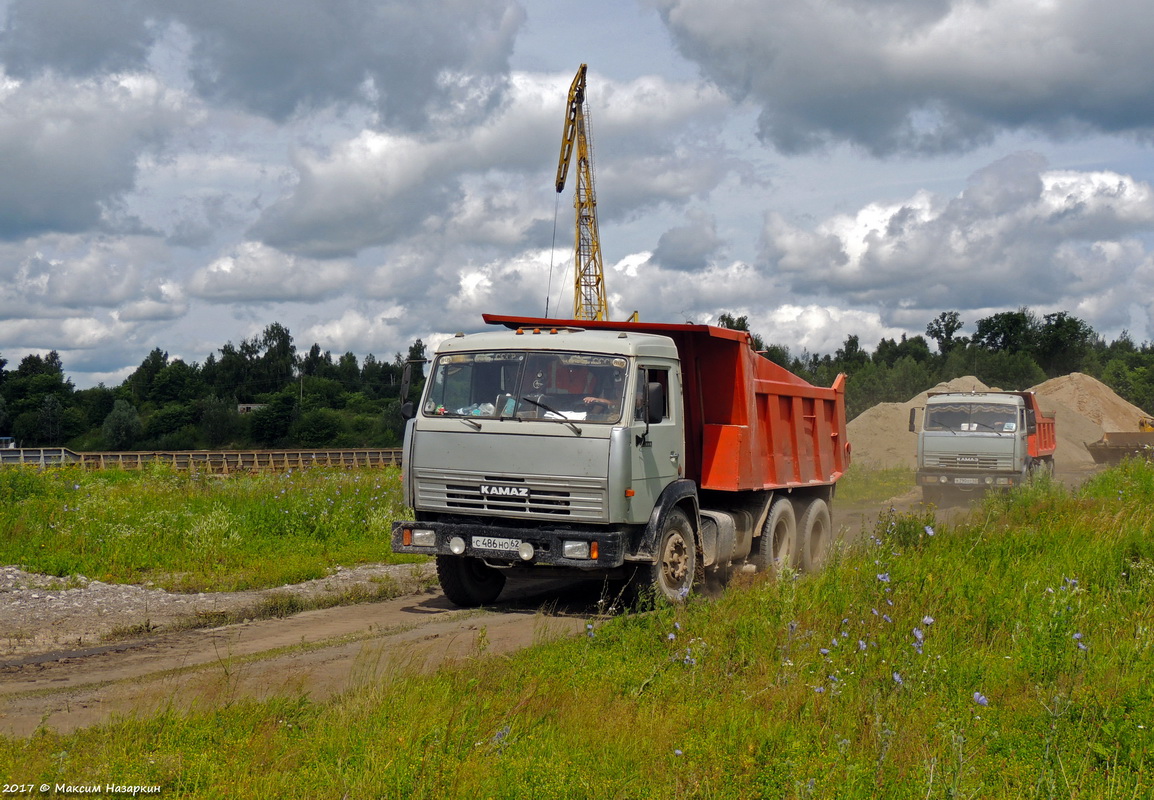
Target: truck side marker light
column 406, row 537
column 593, row 550
column 520, row 332
column 457, row 546
column 629, row 493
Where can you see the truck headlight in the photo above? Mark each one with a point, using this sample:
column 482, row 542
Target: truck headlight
column 575, row 549
column 423, row 537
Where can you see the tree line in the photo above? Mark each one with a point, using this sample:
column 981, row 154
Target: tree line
column 260, row 393
column 265, row 393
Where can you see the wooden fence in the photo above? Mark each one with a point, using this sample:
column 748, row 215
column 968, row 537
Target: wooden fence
column 214, row 461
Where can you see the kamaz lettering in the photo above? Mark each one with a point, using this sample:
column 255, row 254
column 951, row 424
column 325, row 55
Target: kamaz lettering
column 505, row 491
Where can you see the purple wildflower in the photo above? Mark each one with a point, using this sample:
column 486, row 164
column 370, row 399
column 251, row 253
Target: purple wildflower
column 898, row 679
column 884, row 577
column 981, row 699
column 929, row 531
column 927, row 620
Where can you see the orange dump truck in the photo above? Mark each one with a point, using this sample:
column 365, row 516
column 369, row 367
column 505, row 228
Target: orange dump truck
column 971, row 442
column 644, row 452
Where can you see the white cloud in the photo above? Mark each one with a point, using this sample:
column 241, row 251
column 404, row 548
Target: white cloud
column 259, row 273
column 919, row 76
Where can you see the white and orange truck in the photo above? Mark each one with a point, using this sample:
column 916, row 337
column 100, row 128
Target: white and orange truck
column 647, row 452
column 972, row 442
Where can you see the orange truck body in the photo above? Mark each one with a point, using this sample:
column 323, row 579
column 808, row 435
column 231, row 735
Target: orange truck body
column 1044, row 440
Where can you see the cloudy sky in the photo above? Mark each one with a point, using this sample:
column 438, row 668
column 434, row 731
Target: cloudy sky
column 367, row 172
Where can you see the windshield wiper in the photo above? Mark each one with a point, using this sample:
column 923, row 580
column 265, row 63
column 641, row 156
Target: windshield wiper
column 563, row 418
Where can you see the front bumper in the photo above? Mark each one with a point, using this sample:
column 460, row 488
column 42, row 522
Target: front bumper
column 967, row 480
column 606, row 548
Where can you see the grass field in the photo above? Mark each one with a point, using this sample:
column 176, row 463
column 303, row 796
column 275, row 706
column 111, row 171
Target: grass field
column 1007, row 657
column 188, row 531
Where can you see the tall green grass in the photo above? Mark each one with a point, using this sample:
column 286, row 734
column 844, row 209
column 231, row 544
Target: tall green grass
column 192, row 531
column 868, row 485
column 1009, row 656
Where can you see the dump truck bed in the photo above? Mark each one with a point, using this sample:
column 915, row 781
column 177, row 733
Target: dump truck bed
column 749, row 423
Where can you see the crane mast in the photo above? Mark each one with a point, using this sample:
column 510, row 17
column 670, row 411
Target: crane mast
column 588, row 272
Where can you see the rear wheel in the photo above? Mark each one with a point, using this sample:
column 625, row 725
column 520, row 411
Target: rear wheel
column 469, row 582
column 814, row 535
column 777, row 545
column 672, row 576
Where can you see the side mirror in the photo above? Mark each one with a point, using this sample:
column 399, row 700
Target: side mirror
column 913, row 420
column 654, row 403
column 406, row 382
column 1031, row 422
column 407, row 410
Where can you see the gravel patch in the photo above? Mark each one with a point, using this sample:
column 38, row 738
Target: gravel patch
column 43, row 613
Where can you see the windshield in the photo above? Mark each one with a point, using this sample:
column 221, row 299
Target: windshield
column 519, row 384
column 972, row 417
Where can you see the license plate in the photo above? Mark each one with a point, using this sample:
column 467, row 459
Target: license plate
column 493, row 543
column 967, row 481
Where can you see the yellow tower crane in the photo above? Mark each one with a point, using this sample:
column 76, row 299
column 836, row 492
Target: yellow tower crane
column 588, row 272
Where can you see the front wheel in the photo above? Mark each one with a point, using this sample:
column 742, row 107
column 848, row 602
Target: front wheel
column 672, row 576
column 469, row 582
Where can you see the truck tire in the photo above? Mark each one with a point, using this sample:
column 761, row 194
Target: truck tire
column 777, row 545
column 814, row 535
column 469, row 582
column 673, row 575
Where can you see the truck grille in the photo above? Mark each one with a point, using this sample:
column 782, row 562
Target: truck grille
column 536, row 496
column 970, row 461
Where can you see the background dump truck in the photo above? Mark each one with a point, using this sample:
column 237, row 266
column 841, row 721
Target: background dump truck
column 643, row 452
column 976, row 441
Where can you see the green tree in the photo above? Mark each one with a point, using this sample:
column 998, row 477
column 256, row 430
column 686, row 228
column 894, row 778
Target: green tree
column 1063, row 344
column 317, row 428
column 1009, row 331
column 177, row 382
column 122, row 426
column 942, row 331
column 139, row 383
column 271, row 425
column 219, row 420
column 52, row 420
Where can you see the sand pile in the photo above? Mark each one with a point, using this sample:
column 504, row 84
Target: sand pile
column 1092, row 399
column 1083, row 408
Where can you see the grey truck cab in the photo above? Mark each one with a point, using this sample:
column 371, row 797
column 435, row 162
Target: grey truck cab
column 539, row 447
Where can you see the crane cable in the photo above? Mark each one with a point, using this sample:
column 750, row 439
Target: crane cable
column 552, row 253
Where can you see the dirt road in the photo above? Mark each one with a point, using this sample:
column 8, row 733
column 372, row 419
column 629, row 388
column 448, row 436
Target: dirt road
column 318, row 653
